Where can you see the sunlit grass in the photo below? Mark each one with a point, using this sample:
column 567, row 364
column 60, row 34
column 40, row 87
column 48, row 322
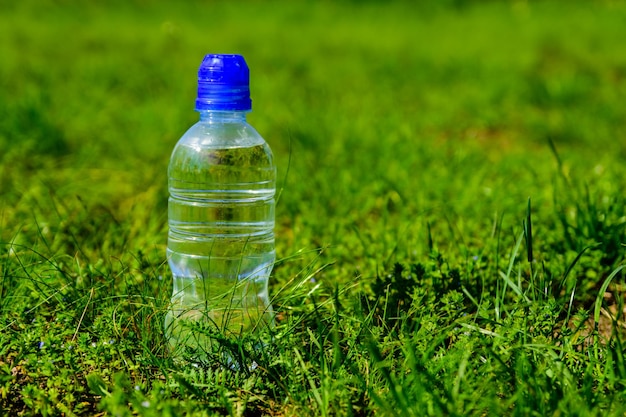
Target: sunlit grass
column 450, row 230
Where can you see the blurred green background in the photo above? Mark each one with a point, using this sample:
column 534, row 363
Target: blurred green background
column 386, row 119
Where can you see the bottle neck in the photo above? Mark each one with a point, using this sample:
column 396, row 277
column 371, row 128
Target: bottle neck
column 219, row 116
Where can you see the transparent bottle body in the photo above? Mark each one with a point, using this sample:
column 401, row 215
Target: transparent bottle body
column 221, row 180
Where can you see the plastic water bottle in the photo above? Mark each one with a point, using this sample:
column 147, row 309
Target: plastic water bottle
column 222, row 181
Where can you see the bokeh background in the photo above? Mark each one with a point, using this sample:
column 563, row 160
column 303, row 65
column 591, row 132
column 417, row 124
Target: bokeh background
column 397, row 127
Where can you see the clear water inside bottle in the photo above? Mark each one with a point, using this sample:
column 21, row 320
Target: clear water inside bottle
column 221, row 235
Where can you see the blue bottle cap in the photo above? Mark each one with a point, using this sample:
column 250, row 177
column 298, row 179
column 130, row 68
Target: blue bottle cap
column 223, row 83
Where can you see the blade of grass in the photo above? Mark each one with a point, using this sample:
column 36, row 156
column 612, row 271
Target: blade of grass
column 600, row 296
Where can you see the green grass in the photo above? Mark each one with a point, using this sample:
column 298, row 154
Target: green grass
column 450, row 229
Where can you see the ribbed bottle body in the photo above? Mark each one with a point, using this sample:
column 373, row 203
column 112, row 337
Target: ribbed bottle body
column 221, row 230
